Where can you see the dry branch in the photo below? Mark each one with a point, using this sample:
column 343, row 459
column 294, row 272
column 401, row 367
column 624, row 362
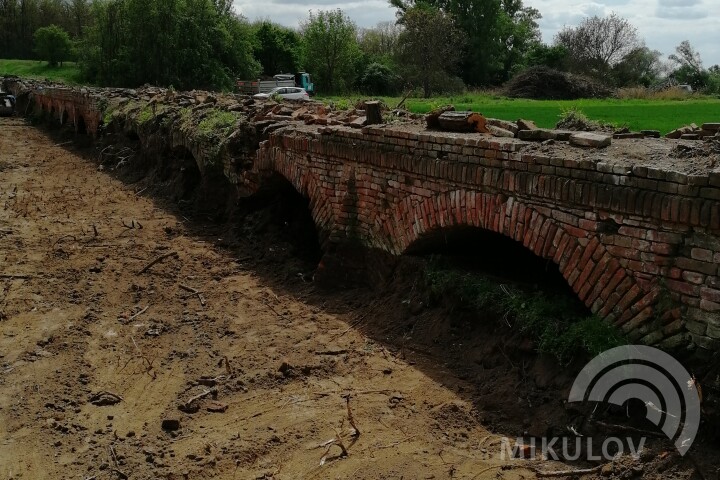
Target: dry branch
column 194, row 291
column 157, row 260
column 13, row 276
column 568, row 473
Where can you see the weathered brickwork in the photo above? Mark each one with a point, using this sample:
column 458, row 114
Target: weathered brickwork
column 69, row 107
column 639, row 246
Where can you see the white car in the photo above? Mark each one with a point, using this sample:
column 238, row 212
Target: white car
column 288, row 93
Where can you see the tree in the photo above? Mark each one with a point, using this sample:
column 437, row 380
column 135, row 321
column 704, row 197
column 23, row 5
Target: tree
column 519, row 32
column 496, row 34
column 277, row 48
column 330, row 48
column 539, row 54
column 380, row 42
column 429, row 48
column 184, row 43
column 639, row 67
column 598, row 44
column 379, row 79
column 53, row 44
column 689, row 66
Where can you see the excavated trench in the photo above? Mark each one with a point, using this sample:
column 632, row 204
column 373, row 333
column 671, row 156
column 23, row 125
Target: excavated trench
column 490, row 361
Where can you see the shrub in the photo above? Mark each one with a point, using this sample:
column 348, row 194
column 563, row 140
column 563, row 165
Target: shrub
column 379, row 79
column 574, row 119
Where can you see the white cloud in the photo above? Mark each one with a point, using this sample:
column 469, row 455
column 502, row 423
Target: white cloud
column 662, row 23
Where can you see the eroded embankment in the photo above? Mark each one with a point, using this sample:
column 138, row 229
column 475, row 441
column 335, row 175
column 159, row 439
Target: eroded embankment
column 157, row 146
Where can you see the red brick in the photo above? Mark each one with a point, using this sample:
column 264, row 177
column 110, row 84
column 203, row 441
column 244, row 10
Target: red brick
column 710, row 294
column 701, row 254
column 629, row 297
column 569, row 267
column 682, row 287
column 575, row 231
column 633, row 232
column 693, row 277
column 623, row 252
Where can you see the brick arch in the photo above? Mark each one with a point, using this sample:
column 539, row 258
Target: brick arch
column 309, row 186
column 593, row 273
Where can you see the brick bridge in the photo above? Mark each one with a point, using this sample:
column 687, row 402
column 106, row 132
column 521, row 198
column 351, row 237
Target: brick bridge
column 639, row 244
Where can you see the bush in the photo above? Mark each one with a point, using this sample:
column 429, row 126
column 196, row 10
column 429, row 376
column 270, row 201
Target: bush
column 574, row 119
column 379, row 79
column 544, row 83
column 53, row 44
column 643, row 93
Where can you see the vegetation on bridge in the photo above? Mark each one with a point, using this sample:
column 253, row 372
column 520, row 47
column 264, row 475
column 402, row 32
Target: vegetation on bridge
column 555, row 321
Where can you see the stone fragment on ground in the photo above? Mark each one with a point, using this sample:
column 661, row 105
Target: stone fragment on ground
column 589, row 139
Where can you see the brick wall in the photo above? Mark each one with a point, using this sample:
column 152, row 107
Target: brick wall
column 80, row 109
column 638, row 245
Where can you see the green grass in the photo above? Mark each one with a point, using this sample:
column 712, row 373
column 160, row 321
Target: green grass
column 556, row 322
column 69, row 72
column 663, row 115
column 217, row 122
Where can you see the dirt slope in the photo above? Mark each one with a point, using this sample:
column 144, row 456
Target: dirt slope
column 78, row 320
column 99, row 346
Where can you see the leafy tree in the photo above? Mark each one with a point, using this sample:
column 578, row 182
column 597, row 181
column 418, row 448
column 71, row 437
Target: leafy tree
column 552, row 56
column 429, row 48
column 519, row 33
column 380, row 43
column 496, row 34
column 689, row 66
column 330, row 49
column 53, row 44
column 277, row 48
column 598, row 44
column 184, row 43
column 639, row 67
column 20, row 19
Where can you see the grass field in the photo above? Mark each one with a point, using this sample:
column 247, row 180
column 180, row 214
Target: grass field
column 663, row 115
column 68, row 73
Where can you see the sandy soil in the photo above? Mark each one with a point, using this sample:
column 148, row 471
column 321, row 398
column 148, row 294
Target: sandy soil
column 78, row 319
column 252, row 374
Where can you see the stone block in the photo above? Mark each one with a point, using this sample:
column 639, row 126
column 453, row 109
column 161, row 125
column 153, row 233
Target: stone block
column 537, row 134
column 500, row 132
column 589, row 139
column 526, row 125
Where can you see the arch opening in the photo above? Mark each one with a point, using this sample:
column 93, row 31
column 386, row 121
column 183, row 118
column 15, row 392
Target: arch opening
column 81, row 128
column 481, row 250
column 180, row 170
column 277, row 214
column 485, row 278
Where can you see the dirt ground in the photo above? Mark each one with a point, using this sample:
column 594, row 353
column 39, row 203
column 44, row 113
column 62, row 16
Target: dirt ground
column 223, row 359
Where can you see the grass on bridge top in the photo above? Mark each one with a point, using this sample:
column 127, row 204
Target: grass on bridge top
column 663, row 115
column 69, row 73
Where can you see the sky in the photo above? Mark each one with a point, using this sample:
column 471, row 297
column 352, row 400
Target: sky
column 663, row 24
